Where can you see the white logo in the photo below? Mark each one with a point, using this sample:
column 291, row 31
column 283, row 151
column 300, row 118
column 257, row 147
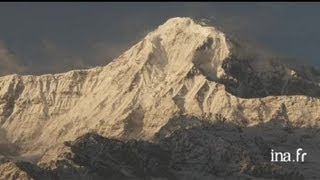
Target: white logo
column 286, row 156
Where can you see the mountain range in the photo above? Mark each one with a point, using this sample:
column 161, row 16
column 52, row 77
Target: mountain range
column 186, row 93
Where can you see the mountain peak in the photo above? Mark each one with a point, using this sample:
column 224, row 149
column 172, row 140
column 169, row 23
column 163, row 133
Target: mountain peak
column 184, row 22
column 182, row 67
column 182, row 43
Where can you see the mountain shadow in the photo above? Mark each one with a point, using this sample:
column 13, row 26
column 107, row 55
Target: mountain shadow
column 188, row 148
column 249, row 73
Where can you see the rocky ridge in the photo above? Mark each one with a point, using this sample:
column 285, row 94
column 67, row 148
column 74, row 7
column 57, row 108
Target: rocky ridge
column 181, row 68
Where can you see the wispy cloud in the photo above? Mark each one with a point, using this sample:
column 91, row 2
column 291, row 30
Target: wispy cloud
column 60, row 58
column 8, row 62
column 63, row 59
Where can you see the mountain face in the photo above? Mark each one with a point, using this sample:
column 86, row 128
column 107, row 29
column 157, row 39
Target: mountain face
column 199, row 150
column 183, row 68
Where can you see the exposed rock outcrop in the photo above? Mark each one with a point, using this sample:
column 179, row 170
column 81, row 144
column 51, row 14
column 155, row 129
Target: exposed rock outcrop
column 181, row 68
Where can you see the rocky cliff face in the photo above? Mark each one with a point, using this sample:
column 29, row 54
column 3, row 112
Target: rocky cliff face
column 185, row 148
column 181, row 68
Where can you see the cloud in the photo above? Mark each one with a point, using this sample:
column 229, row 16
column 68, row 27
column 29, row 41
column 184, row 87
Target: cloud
column 9, row 63
column 54, row 57
column 73, row 42
column 59, row 58
column 103, row 52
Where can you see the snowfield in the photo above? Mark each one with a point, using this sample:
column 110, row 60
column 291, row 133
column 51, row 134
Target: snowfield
column 181, row 68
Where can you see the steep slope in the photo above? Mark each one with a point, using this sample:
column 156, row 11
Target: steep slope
column 180, row 68
column 196, row 149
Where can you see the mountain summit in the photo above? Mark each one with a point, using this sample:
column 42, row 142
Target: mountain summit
column 181, row 68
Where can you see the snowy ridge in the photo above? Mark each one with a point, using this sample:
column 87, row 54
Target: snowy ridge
column 180, row 68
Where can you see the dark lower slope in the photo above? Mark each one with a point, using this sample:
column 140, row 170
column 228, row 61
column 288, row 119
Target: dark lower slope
column 250, row 72
column 186, row 148
column 243, row 80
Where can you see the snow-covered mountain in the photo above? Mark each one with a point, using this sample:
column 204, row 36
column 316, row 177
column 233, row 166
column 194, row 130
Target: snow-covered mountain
column 181, row 68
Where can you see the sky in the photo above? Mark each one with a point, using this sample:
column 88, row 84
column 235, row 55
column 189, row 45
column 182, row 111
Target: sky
column 54, row 37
